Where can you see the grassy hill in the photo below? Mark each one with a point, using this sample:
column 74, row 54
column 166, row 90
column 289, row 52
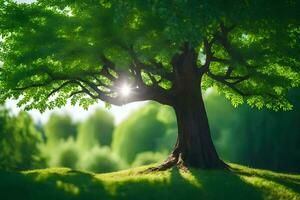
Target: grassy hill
column 63, row 183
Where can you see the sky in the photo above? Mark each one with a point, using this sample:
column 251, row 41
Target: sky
column 77, row 112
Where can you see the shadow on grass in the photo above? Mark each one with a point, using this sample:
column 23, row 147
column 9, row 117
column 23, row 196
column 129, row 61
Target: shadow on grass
column 289, row 182
column 72, row 185
column 198, row 184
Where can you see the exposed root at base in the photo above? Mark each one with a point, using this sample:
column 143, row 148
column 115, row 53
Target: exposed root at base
column 172, row 161
column 176, row 161
column 167, row 164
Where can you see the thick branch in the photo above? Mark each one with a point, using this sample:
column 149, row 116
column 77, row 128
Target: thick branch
column 105, row 72
column 83, row 88
column 76, row 92
column 220, row 60
column 185, row 62
column 229, row 84
column 232, row 85
column 155, row 67
column 94, row 89
column 209, row 55
column 141, row 93
column 222, row 38
column 136, row 67
column 160, row 70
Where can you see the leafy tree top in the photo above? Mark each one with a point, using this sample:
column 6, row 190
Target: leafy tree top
column 55, row 50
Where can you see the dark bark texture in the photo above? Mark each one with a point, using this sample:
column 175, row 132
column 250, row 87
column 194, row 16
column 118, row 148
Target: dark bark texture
column 194, row 146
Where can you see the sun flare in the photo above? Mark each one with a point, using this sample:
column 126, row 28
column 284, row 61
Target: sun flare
column 125, row 90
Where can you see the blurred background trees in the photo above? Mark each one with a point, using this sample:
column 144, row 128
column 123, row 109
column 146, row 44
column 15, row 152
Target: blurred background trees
column 97, row 129
column 60, row 127
column 84, row 145
column 141, row 132
column 257, row 138
column 19, row 141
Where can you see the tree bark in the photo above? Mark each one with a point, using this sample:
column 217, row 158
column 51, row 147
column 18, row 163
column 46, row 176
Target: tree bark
column 194, row 146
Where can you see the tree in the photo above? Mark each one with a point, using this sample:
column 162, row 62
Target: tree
column 140, row 132
column 100, row 160
column 262, row 134
column 97, row 129
column 169, row 52
column 59, row 127
column 19, row 142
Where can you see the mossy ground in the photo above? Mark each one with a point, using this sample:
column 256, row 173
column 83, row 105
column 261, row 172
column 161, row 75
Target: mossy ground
column 64, row 183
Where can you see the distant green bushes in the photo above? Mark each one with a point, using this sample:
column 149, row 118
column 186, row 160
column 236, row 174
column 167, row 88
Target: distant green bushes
column 94, row 144
column 143, row 138
column 84, row 145
column 60, row 127
column 19, row 141
column 97, row 129
column 257, row 138
column 138, row 133
column 100, row 160
column 243, row 135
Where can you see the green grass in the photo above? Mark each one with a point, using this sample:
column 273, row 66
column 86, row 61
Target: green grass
column 63, row 183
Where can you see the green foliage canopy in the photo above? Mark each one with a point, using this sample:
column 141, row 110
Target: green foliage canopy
column 55, row 50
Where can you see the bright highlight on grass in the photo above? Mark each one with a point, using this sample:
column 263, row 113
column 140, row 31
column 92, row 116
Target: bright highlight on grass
column 125, row 90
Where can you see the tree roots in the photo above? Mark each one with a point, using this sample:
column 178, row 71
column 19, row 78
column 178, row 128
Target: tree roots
column 172, row 161
column 176, row 161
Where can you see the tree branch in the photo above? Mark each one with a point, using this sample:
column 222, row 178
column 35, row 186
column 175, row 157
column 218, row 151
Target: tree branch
column 76, row 92
column 229, row 71
column 220, row 60
column 222, row 80
column 159, row 69
column 222, row 38
column 208, row 54
column 33, row 86
column 60, row 87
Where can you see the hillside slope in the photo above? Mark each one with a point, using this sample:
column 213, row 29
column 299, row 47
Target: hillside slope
column 63, row 183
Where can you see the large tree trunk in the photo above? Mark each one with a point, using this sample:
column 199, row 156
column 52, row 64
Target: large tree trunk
column 194, row 146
